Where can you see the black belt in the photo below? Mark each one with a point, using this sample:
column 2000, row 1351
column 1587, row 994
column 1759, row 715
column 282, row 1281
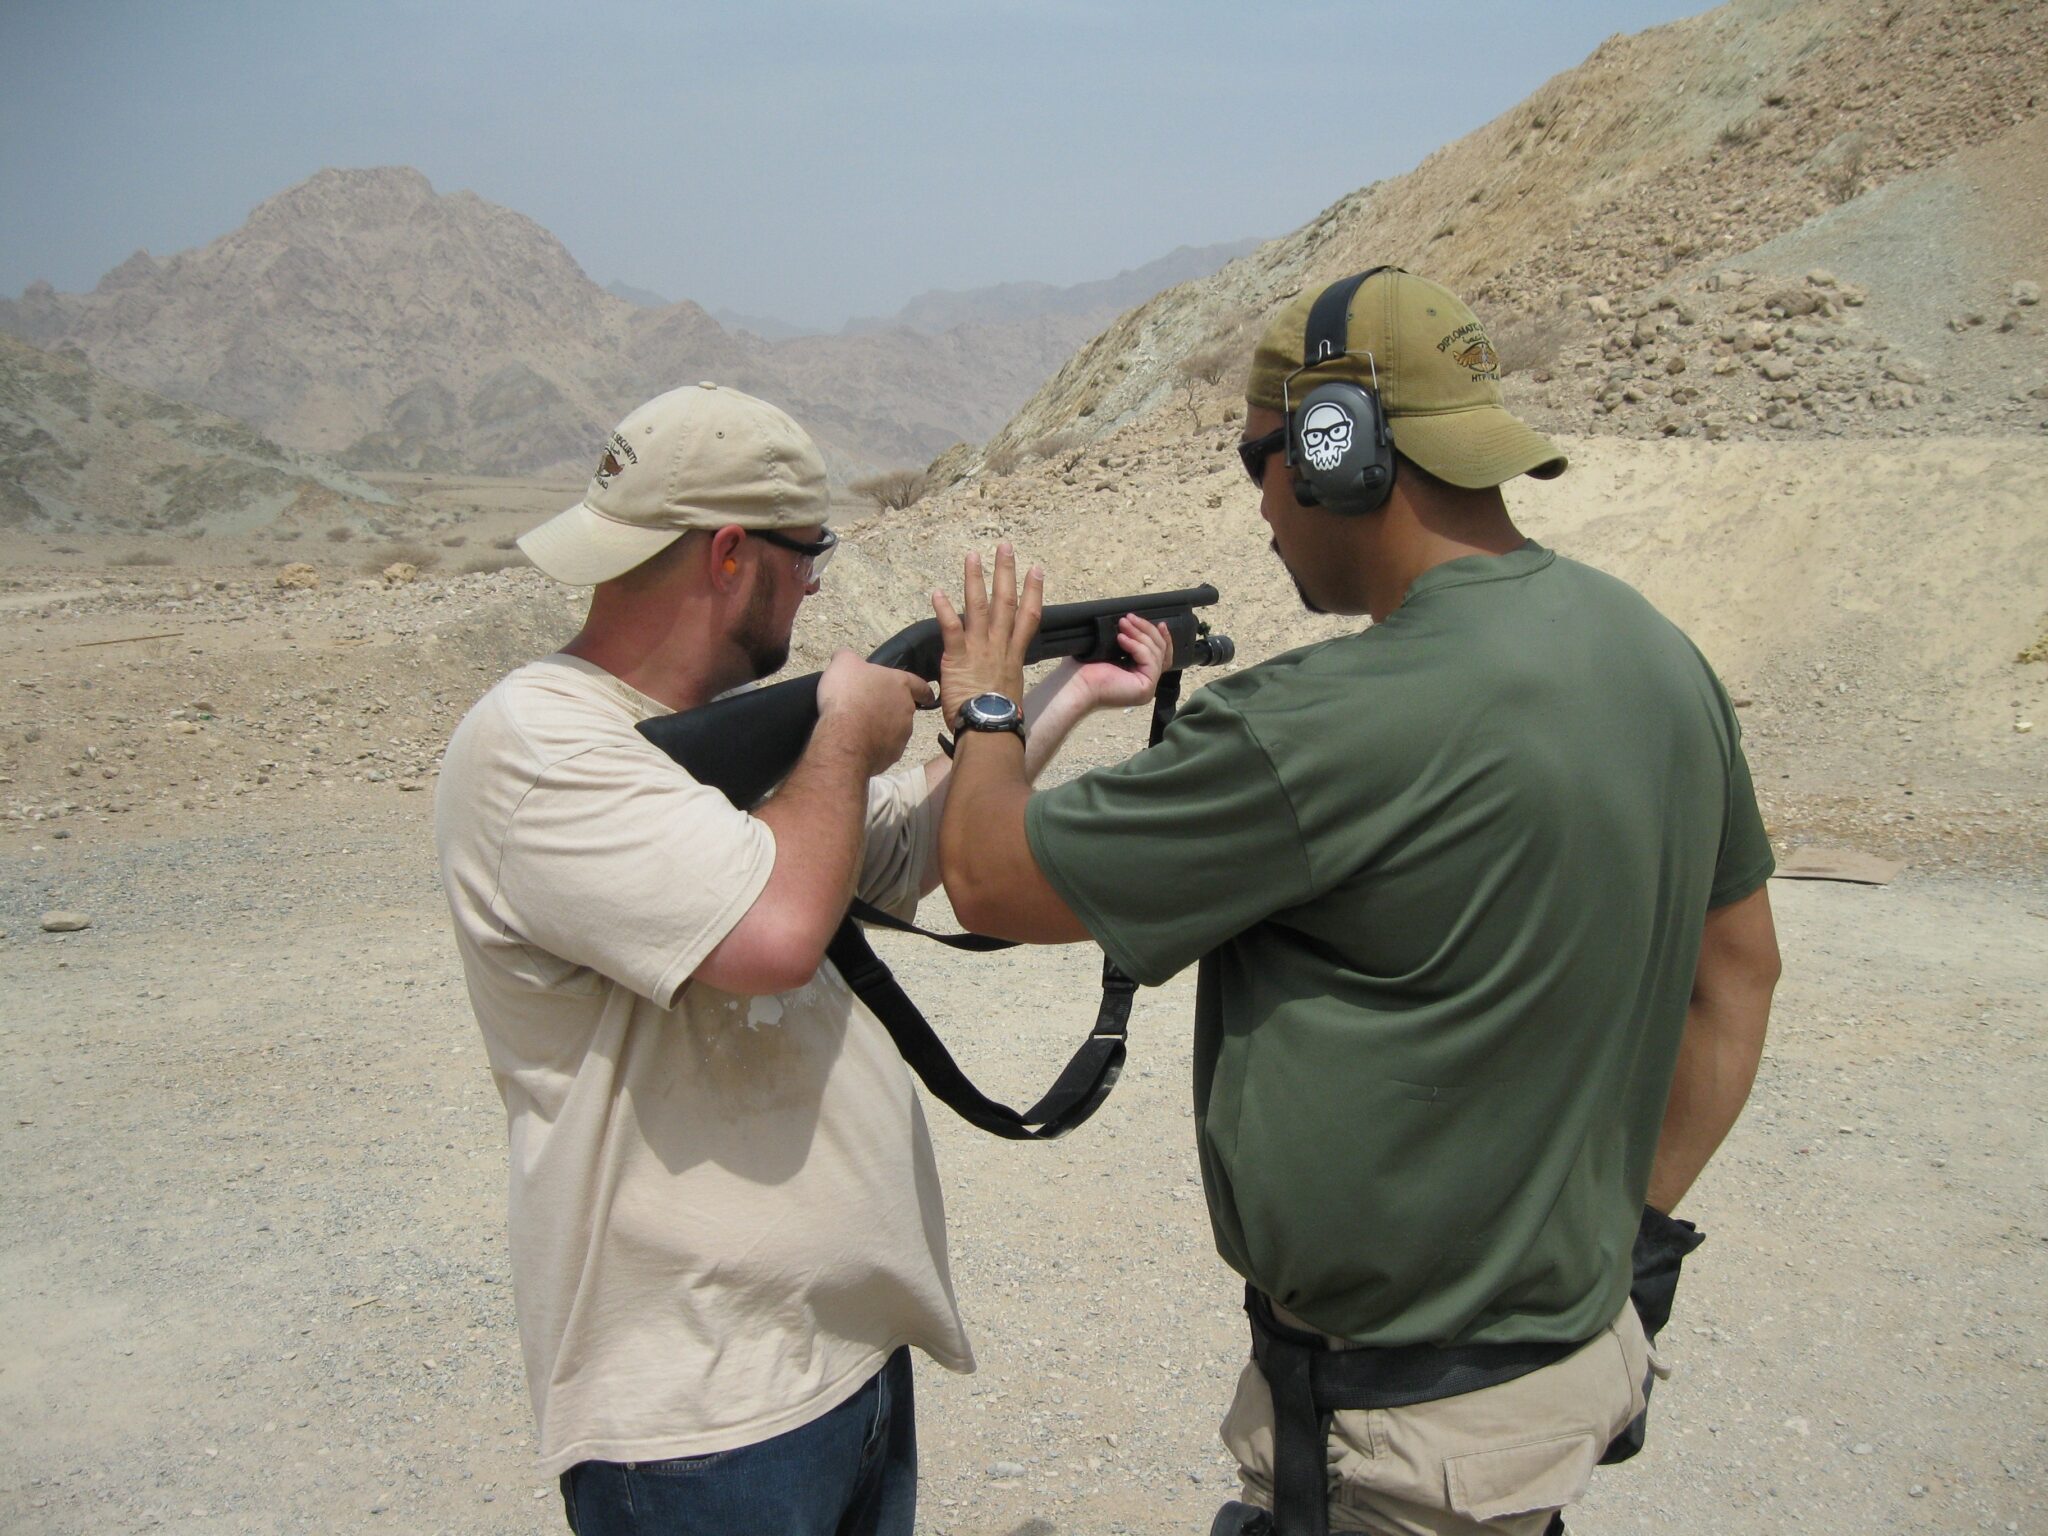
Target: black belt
column 1310, row 1381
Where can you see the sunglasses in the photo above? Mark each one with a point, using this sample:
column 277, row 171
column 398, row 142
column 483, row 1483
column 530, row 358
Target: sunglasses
column 1253, row 452
column 813, row 555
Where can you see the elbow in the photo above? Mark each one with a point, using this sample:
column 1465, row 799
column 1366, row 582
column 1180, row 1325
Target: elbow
column 974, row 907
column 967, row 893
column 757, row 959
column 786, row 976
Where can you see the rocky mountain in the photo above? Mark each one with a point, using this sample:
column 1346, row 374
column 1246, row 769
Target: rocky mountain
column 81, row 451
column 1640, row 231
column 363, row 315
column 645, row 298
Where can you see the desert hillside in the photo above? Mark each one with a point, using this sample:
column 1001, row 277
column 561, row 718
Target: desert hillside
column 83, row 452
column 1604, row 214
column 365, row 316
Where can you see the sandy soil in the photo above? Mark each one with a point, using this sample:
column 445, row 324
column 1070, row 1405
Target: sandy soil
column 254, row 1276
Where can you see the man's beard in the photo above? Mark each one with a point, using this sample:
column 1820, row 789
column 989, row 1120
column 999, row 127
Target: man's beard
column 766, row 652
column 1299, row 590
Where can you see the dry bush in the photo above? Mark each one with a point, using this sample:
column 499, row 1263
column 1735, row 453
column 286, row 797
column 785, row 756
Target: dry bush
column 1843, row 177
column 340, row 533
column 455, row 541
column 509, row 541
column 1209, row 364
column 484, row 565
column 1736, row 134
column 418, row 556
column 142, row 557
column 893, row 489
column 1053, row 444
column 1002, row 460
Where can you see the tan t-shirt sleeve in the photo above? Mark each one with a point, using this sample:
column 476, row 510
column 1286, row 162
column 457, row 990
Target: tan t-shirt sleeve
column 902, row 842
column 616, row 861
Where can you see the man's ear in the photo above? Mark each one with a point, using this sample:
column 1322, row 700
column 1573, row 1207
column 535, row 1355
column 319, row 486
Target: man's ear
column 723, row 553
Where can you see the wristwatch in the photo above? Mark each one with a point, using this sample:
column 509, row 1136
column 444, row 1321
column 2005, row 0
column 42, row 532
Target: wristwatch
column 991, row 712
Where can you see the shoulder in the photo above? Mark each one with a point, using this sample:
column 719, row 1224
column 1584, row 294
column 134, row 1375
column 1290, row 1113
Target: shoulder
column 546, row 710
column 1283, row 686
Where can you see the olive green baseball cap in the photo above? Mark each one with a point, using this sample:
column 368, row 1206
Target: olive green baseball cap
column 697, row 457
column 1438, row 378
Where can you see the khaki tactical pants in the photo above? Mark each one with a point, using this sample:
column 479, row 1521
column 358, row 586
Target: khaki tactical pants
column 1508, row 1456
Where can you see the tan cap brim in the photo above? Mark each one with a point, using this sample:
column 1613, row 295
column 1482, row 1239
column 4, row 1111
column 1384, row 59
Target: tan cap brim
column 1475, row 448
column 583, row 548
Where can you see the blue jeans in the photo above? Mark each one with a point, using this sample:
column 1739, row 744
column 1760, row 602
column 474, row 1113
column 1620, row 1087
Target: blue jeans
column 851, row 1473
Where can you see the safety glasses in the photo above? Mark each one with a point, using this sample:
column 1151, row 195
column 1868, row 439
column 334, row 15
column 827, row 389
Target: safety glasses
column 1254, row 451
column 813, row 555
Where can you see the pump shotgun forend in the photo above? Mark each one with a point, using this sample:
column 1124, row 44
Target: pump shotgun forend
column 743, row 745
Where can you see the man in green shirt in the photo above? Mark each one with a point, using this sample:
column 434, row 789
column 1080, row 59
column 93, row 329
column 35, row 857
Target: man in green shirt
column 1477, row 895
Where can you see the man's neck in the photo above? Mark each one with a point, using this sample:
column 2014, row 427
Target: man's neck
column 672, row 672
column 1412, row 545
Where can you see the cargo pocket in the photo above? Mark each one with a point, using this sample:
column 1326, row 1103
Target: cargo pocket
column 1515, row 1479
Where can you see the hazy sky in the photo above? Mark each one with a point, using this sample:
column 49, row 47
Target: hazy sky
column 802, row 159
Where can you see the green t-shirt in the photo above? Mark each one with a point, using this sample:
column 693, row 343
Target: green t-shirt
column 1446, row 878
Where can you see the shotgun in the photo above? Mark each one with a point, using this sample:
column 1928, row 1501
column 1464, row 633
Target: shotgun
column 745, row 744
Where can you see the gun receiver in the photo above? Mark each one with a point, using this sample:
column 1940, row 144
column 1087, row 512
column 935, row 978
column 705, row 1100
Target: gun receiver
column 745, row 744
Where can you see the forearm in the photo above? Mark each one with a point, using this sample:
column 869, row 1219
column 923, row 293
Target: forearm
column 1052, row 708
column 1717, row 1065
column 993, row 881
column 818, row 818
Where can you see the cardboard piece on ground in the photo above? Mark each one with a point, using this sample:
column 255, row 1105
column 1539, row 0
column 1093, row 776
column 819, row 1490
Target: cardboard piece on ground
column 1844, row 864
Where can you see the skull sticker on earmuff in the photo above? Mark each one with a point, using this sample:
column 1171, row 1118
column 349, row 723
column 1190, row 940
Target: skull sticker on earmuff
column 1326, row 435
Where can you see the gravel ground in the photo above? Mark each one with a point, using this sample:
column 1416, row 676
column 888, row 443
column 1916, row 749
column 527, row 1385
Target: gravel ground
column 255, row 1276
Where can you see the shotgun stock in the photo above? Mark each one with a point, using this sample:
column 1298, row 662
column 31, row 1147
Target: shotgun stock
column 745, row 744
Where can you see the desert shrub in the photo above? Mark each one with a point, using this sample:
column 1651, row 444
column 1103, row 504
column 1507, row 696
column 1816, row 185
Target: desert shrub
column 143, row 557
column 484, row 565
column 509, row 541
column 454, row 541
column 1209, row 364
column 1002, row 460
column 1843, row 176
column 1736, row 134
column 340, row 533
column 894, row 489
column 1053, row 444
column 418, row 556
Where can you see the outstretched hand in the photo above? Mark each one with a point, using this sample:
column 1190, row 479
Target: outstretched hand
column 986, row 639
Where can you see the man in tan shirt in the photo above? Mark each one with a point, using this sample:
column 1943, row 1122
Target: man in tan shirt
column 725, row 1219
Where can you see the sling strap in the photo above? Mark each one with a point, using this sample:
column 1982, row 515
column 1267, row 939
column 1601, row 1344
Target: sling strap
column 1080, row 1088
column 1310, row 1381
column 1087, row 1078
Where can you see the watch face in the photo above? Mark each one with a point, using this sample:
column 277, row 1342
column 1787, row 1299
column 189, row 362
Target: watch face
column 990, row 712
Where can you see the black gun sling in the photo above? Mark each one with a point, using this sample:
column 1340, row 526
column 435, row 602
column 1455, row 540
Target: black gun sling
column 1087, row 1078
column 1080, row 1088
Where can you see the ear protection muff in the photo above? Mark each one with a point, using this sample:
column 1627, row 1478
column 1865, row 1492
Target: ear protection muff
column 1338, row 442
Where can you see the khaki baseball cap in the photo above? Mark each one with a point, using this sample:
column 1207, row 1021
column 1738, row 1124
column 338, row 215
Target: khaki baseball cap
column 1439, row 379
column 697, row 457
